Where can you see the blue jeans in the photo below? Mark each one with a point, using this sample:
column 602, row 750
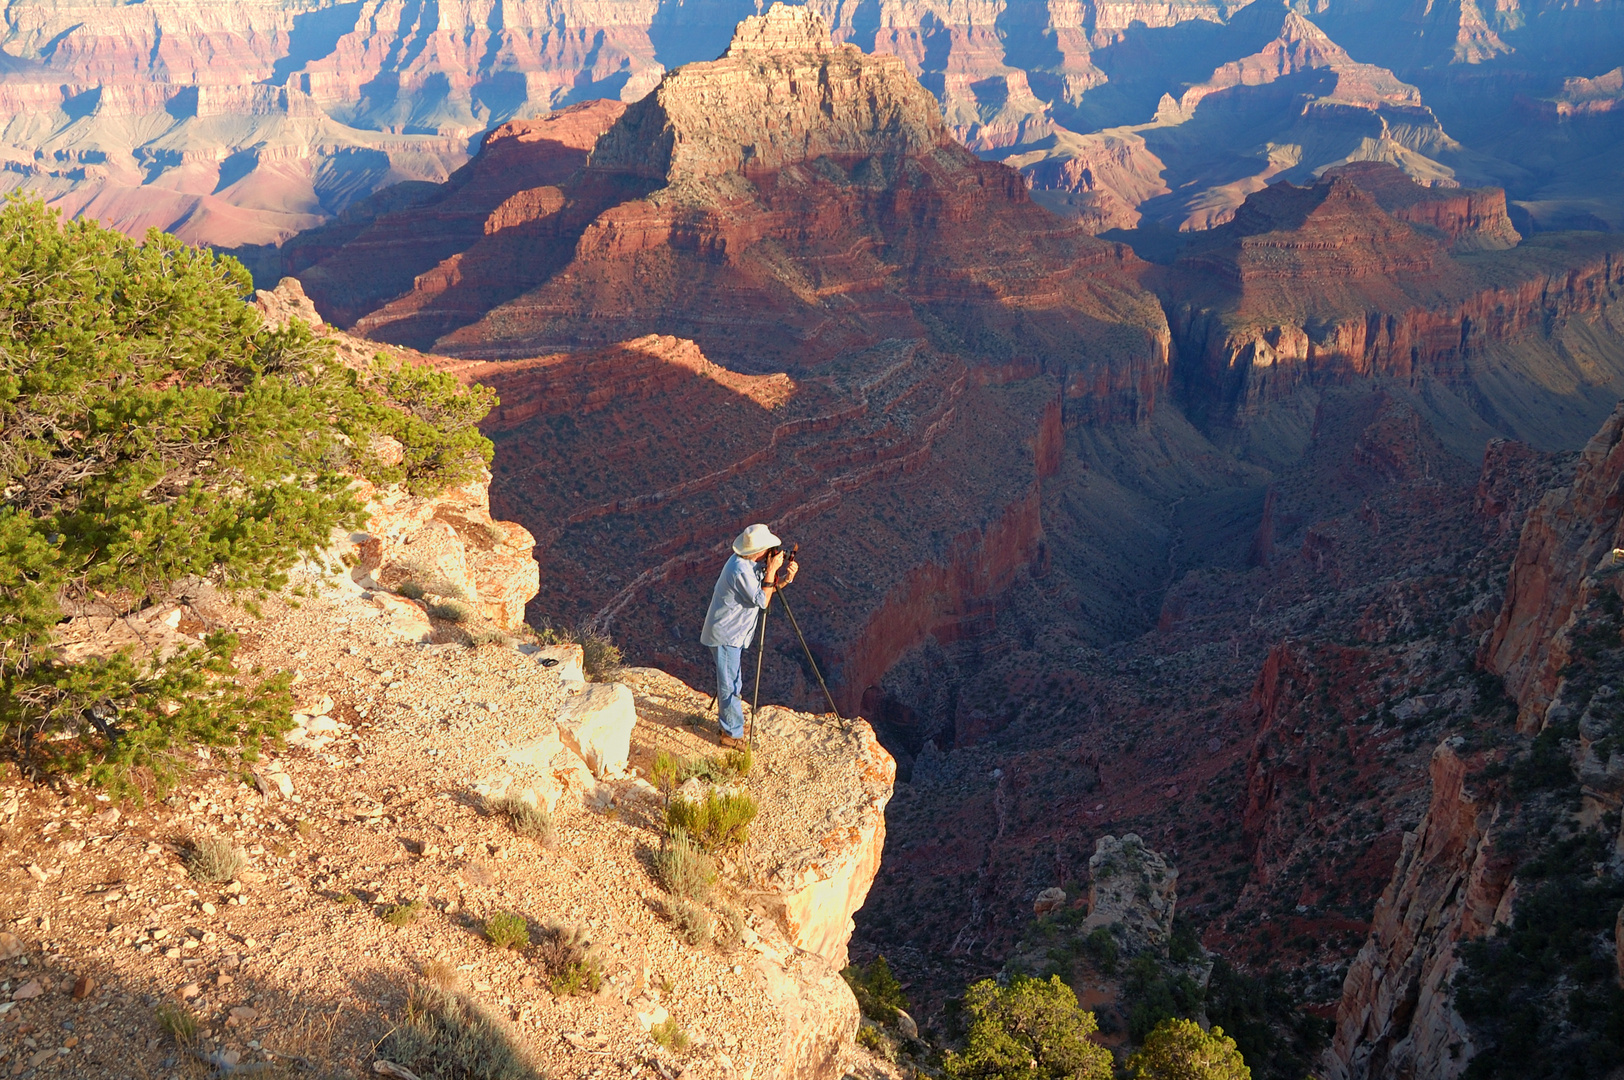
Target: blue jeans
column 729, row 680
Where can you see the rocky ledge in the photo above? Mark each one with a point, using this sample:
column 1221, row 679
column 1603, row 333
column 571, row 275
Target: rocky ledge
column 373, row 850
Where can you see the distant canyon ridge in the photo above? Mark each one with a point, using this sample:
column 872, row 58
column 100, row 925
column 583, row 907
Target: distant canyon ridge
column 245, row 123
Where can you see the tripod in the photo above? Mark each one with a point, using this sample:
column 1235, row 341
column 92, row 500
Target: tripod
column 761, row 652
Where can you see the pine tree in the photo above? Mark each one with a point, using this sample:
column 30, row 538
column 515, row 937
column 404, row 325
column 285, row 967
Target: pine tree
column 1029, row 1030
column 152, row 430
column 1179, row 1050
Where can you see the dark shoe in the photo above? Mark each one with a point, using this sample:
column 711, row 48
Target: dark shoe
column 728, row 742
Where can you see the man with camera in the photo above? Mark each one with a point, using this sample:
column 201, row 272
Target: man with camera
column 736, row 605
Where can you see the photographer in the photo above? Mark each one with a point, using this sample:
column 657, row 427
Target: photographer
column 736, row 604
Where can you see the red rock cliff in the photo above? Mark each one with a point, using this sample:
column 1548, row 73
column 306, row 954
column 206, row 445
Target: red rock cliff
column 1323, row 283
column 1395, row 1018
column 1566, row 540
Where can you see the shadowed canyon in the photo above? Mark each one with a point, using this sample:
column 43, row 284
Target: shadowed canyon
column 1225, row 546
column 1200, row 424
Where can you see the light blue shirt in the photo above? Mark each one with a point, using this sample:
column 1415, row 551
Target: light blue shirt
column 736, row 602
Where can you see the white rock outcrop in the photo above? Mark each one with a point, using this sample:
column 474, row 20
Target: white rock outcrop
column 597, row 723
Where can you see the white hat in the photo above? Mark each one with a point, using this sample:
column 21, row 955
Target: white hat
column 755, row 539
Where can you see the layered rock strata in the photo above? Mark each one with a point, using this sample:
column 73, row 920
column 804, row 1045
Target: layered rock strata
column 1449, row 884
column 1324, row 283
column 777, row 246
column 376, row 248
column 839, row 322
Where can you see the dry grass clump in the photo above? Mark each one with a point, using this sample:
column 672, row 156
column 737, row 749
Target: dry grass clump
column 178, row 1022
column 729, row 928
column 527, row 820
column 569, row 959
column 691, row 921
column 719, row 819
column 214, row 859
column 600, row 657
column 682, row 868
column 452, row 611
column 447, row 1037
column 402, row 914
column 441, row 974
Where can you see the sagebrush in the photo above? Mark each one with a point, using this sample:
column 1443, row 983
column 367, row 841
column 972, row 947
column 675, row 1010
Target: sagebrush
column 716, row 820
column 445, row 1036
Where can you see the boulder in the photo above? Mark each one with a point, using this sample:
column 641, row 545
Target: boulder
column 448, row 546
column 1133, row 888
column 1049, row 901
column 597, row 724
column 403, row 619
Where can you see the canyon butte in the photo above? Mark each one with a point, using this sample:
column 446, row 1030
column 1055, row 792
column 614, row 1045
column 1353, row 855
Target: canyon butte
column 1274, row 554
column 245, row 123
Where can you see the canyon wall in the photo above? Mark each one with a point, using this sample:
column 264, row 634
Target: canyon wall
column 1449, row 883
column 1456, row 878
column 246, row 123
column 1564, row 559
column 1309, row 285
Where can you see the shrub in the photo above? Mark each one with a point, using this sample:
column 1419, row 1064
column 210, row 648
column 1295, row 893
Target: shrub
column 1180, row 1050
column 670, row 772
column 527, row 820
column 569, row 959
column 1029, row 1030
column 581, row 977
column 1153, row 995
column 452, row 611
column 874, row 1041
column 878, row 993
column 715, row 821
column 178, row 1022
column 682, row 868
column 1102, row 946
column 505, row 930
column 1266, row 1020
column 447, row 1037
column 729, row 928
column 434, row 418
column 402, row 914
column 668, row 1035
column 214, row 859
column 411, row 590
column 739, row 762
column 692, row 922
column 155, row 430
column 600, row 658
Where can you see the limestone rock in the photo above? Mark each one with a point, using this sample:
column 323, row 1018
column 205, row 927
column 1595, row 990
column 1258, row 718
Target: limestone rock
column 1048, row 901
column 816, row 892
column 597, row 725
column 287, row 303
column 1132, row 888
column 449, row 546
column 403, row 619
column 862, row 105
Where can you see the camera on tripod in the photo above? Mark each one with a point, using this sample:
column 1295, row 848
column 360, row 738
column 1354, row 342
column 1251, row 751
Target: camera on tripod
column 789, row 559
